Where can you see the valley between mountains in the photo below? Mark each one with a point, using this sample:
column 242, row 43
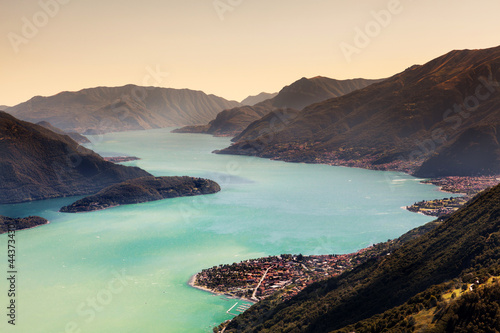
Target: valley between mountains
column 438, row 121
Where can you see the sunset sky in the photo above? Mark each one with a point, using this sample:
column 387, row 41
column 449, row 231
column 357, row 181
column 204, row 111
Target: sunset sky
column 231, row 48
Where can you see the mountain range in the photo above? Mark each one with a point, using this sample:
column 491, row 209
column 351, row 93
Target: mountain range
column 430, row 112
column 105, row 109
column 37, row 163
column 437, row 119
column 296, row 96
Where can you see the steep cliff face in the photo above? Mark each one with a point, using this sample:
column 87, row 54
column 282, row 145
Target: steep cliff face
column 36, row 163
column 130, row 107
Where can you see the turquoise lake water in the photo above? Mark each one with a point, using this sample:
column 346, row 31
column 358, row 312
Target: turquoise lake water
column 126, row 269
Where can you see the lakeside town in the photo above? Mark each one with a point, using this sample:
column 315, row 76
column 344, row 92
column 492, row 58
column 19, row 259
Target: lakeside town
column 467, row 186
column 257, row 279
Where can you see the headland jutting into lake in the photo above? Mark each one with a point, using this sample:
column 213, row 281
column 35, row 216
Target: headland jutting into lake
column 141, row 190
column 256, row 279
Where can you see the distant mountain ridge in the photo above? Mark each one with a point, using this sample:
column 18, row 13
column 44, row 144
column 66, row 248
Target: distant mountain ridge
column 252, row 100
column 296, row 96
column 37, row 164
column 109, row 109
column 396, row 124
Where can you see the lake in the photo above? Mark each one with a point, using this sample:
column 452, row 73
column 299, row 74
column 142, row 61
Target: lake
column 126, row 269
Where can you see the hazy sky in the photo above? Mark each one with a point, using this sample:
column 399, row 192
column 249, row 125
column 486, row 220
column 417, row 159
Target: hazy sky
column 231, row 48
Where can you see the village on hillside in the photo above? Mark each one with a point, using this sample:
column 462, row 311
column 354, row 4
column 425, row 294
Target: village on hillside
column 256, row 279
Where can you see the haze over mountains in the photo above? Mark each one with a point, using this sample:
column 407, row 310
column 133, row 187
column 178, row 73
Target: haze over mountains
column 252, row 100
column 130, row 107
column 37, row 163
column 293, row 97
column 437, row 119
column 75, row 136
column 398, row 123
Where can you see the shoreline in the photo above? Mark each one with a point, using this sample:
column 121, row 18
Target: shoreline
column 440, row 188
column 193, row 279
column 461, row 190
column 90, row 211
column 36, row 226
column 406, row 208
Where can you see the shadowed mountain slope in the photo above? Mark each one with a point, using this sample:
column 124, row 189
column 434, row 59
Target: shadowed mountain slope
column 475, row 151
column 395, row 124
column 36, row 163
